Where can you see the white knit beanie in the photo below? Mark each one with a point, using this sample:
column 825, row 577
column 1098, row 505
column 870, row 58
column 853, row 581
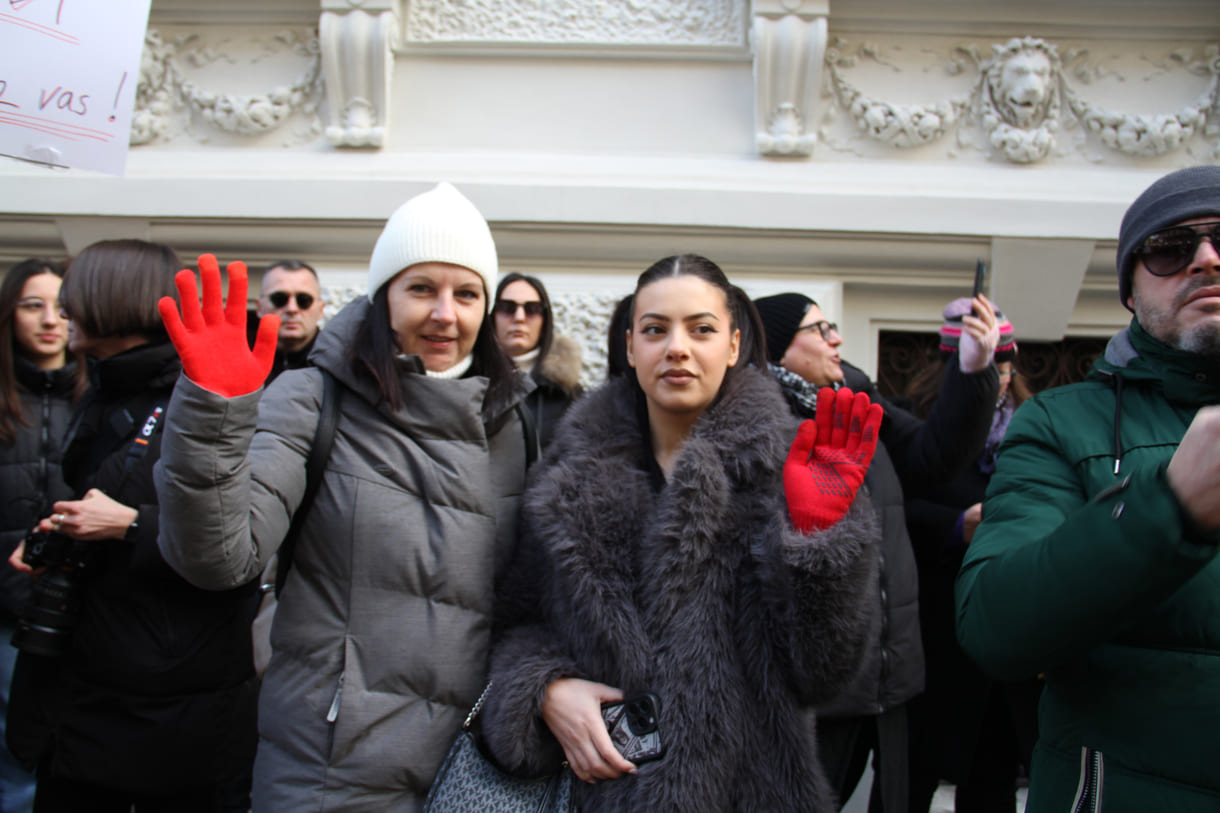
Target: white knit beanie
column 438, row 226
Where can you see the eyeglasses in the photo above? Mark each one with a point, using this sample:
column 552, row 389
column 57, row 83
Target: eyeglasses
column 508, row 307
column 279, row 299
column 823, row 327
column 1169, row 251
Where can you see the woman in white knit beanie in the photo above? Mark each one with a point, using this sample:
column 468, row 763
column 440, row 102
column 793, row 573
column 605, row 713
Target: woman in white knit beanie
column 379, row 643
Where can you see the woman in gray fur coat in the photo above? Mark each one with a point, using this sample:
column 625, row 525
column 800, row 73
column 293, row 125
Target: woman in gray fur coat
column 657, row 556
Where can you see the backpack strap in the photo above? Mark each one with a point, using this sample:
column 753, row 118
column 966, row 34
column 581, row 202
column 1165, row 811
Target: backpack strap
column 319, row 453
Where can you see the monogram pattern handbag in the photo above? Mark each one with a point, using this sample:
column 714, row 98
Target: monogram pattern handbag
column 468, row 782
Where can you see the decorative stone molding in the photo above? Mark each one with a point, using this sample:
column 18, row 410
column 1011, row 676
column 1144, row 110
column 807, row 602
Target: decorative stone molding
column 337, row 296
column 157, row 92
column 359, row 63
column 789, row 52
column 1017, row 102
column 163, row 88
column 1148, row 136
column 585, row 317
column 658, row 23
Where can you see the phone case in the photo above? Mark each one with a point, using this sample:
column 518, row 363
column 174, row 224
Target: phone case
column 634, row 727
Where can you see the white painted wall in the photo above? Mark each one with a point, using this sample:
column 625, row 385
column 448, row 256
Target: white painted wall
column 594, row 159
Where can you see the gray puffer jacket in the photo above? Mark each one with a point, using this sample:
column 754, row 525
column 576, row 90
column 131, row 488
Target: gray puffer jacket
column 381, row 635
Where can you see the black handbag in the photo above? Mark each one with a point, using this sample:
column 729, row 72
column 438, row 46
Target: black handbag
column 468, row 782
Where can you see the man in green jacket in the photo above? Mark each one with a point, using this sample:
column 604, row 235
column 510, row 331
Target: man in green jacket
column 1096, row 564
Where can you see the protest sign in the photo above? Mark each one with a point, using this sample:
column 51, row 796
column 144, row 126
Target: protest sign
column 68, row 76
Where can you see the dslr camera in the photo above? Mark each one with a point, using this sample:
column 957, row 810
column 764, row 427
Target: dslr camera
column 50, row 616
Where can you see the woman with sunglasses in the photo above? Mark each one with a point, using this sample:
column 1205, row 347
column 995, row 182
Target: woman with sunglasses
column 39, row 384
column 677, row 542
column 525, row 328
column 380, row 638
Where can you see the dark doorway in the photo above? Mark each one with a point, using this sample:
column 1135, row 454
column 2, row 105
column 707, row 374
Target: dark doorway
column 1042, row 364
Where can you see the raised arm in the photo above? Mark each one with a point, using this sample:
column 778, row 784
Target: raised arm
column 830, row 551
column 219, row 519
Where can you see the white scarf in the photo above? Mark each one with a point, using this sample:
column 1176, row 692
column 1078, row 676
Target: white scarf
column 456, row 371
column 526, row 361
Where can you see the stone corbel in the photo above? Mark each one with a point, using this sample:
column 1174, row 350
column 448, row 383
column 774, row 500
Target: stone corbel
column 789, row 54
column 357, row 61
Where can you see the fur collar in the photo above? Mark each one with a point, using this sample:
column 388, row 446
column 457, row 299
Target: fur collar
column 626, row 556
column 561, row 366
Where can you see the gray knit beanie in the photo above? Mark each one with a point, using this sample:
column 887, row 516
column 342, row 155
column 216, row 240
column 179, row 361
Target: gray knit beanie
column 1180, row 195
column 439, row 226
column 781, row 316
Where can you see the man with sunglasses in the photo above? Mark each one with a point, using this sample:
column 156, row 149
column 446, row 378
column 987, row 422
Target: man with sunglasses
column 1095, row 564
column 292, row 292
column 912, row 457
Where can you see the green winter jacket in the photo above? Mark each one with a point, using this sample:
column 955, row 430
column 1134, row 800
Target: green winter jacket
column 1086, row 569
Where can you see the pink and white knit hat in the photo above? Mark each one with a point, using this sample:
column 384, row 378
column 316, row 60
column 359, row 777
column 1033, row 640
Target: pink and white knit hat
column 951, row 330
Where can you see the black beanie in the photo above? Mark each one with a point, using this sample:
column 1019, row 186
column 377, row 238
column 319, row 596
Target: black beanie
column 781, row 316
column 1180, row 195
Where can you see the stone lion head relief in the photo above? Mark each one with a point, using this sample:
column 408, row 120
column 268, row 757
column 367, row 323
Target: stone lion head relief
column 1023, row 81
column 1020, row 98
column 1021, row 87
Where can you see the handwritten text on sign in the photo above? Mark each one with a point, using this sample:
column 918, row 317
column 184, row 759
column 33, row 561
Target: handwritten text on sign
column 68, row 75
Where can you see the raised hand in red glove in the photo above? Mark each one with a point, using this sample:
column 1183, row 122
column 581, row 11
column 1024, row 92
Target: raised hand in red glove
column 829, row 458
column 212, row 341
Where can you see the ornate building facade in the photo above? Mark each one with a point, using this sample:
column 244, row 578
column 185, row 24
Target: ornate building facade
column 866, row 152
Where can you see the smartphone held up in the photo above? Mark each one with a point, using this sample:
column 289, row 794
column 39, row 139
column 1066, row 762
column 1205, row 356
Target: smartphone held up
column 980, row 275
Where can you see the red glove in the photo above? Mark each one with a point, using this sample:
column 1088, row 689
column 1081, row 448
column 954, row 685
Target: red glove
column 212, row 342
column 828, row 460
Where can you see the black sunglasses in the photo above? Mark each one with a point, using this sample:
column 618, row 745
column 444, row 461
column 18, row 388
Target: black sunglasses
column 509, row 308
column 1170, row 250
column 280, row 298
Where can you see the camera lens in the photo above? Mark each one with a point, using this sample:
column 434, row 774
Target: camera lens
column 640, row 717
column 46, row 624
column 50, row 616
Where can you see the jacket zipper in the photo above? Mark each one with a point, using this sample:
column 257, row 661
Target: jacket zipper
column 333, row 714
column 1088, row 793
column 44, row 439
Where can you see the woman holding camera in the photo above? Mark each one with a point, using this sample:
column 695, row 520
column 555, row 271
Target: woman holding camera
column 379, row 643
column 678, row 542
column 136, row 690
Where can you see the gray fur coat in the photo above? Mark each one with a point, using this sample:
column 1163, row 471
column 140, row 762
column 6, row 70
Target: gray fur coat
column 701, row 593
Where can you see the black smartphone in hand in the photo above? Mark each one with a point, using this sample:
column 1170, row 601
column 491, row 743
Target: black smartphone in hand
column 634, row 726
column 980, row 272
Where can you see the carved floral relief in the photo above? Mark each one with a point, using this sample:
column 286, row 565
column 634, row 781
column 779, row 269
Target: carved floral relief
column 663, row 23
column 166, row 86
column 1022, row 99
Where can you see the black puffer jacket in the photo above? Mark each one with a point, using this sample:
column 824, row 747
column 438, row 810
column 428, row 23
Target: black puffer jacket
column 156, row 692
column 31, row 476
column 699, row 591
